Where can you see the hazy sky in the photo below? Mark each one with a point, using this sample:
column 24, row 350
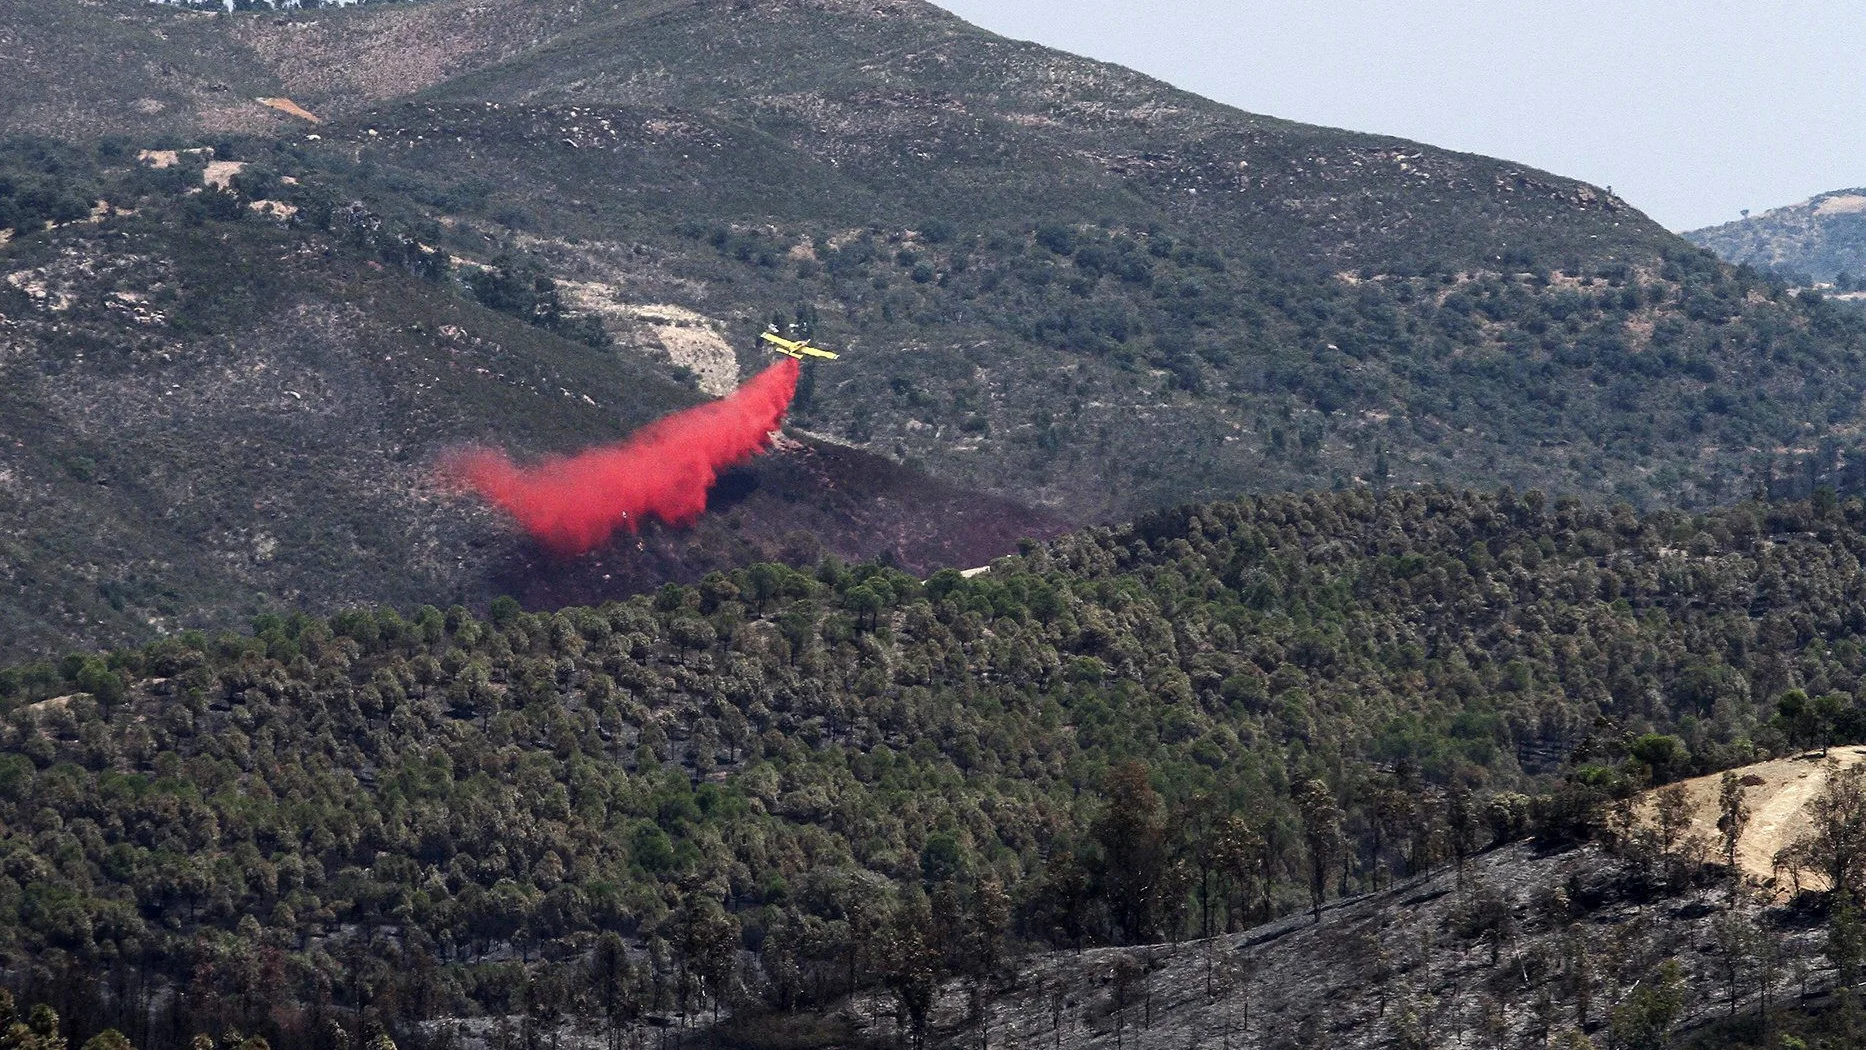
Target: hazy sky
column 1691, row 111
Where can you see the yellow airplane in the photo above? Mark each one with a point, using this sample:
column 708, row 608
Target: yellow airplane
column 797, row 348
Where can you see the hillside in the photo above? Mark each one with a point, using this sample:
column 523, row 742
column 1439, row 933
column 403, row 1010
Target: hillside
column 1820, row 239
column 86, row 71
column 1274, row 305
column 1523, row 948
column 209, row 415
column 772, row 787
column 1779, row 795
column 1058, row 284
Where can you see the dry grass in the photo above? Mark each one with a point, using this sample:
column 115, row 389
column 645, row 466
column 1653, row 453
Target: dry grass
column 346, row 58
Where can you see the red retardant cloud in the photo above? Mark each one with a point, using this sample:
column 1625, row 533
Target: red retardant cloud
column 574, row 504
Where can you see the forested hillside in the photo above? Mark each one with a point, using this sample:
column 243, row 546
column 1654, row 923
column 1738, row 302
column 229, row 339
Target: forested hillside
column 338, row 760
column 774, row 784
column 1055, row 282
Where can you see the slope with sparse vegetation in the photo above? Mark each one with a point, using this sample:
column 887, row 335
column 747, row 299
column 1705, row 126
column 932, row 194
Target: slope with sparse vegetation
column 1056, row 281
column 1822, row 239
column 212, row 411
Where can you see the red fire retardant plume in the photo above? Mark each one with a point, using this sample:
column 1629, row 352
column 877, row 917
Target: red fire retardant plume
column 574, row 504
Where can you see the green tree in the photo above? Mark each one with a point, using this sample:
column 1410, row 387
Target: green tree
column 865, row 601
column 38, row 1031
column 1828, row 710
column 1661, row 754
column 766, row 584
column 1132, row 834
column 504, row 610
column 611, row 981
column 1321, row 834
column 108, row 1039
column 1732, row 815
column 1796, row 714
column 1645, row 1017
column 912, row 965
column 1846, row 938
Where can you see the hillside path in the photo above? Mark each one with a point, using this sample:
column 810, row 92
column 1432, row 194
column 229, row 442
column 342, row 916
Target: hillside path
column 1778, row 793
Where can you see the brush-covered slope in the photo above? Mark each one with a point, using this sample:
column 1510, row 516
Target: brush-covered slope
column 1064, row 279
column 123, row 67
column 208, row 413
column 1821, row 239
column 776, row 782
column 1056, row 281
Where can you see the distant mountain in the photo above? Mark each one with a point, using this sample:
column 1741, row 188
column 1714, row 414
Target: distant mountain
column 1058, row 283
column 1821, row 239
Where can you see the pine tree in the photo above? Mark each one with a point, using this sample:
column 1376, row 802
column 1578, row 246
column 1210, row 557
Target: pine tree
column 1321, row 834
column 1733, row 816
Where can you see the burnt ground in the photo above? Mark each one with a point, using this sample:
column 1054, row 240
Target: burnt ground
column 794, row 504
column 1429, row 962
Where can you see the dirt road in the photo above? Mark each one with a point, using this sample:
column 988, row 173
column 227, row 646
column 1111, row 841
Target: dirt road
column 1778, row 793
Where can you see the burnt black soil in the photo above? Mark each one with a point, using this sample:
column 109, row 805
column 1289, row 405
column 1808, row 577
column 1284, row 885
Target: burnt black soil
column 794, row 505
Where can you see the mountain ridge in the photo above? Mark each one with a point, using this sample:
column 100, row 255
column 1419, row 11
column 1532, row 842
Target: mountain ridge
column 1819, row 239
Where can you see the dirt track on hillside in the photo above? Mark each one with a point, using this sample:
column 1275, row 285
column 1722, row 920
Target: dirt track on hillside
column 1778, row 793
